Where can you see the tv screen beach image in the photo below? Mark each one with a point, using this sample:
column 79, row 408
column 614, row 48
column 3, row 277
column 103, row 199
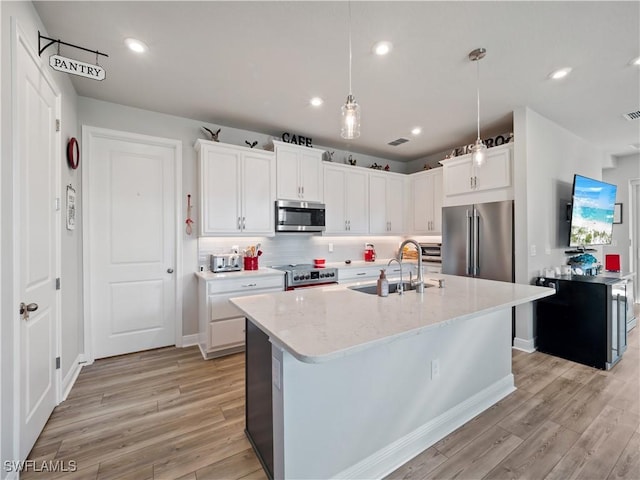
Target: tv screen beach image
column 592, row 212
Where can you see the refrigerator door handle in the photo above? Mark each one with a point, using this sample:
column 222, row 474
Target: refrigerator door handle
column 469, row 242
column 476, row 243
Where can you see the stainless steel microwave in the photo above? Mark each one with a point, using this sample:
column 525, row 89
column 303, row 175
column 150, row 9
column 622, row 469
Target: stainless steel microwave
column 293, row 216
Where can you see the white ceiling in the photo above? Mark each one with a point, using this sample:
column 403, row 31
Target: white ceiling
column 255, row 65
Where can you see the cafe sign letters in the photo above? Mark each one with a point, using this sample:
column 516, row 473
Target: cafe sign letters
column 76, row 67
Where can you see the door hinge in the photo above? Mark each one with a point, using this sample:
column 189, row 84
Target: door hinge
column 58, row 283
column 57, row 124
column 57, row 363
column 57, row 204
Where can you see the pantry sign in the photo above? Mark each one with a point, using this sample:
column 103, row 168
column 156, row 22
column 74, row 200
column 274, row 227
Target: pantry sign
column 76, row 67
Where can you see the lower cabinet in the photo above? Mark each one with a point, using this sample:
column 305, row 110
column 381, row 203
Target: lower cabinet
column 222, row 325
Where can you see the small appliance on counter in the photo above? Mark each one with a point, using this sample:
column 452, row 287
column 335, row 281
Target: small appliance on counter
column 226, row 262
column 369, row 252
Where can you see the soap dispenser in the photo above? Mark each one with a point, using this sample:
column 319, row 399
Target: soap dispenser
column 383, row 285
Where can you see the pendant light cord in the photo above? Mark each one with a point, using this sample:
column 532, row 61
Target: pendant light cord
column 478, row 95
column 350, row 54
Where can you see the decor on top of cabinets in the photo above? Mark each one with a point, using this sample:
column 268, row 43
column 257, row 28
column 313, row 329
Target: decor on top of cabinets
column 73, row 153
column 71, row 208
column 252, row 144
column 299, row 172
column 328, row 156
column 297, row 139
column 350, row 160
column 350, row 110
column 212, row 134
column 479, row 150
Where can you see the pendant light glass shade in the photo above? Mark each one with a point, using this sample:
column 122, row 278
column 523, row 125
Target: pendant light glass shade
column 479, row 149
column 350, row 110
column 350, row 119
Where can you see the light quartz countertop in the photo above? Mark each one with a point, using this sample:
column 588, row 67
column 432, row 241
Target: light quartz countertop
column 318, row 324
column 209, row 275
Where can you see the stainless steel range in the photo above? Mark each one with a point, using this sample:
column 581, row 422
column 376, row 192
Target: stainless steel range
column 306, row 275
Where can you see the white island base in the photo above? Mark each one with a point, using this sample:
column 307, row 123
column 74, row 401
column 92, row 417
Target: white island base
column 341, row 384
column 364, row 415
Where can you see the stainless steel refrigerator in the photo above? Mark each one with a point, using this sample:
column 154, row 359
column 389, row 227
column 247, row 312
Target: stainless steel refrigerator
column 477, row 240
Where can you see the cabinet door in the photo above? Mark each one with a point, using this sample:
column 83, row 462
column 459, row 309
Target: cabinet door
column 496, row 172
column 395, row 204
column 457, row 176
column 335, row 201
column 287, row 174
column 422, row 186
column 220, row 190
column 258, row 194
column 226, row 333
column 436, row 225
column 378, row 223
column 310, row 168
column 357, row 202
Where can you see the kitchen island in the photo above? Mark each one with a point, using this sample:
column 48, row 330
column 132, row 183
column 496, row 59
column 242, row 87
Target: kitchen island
column 342, row 384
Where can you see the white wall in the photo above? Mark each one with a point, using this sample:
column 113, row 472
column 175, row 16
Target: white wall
column 546, row 157
column 71, row 320
column 626, row 168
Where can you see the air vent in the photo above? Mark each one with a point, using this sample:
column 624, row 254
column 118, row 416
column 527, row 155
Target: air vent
column 632, row 115
column 401, row 140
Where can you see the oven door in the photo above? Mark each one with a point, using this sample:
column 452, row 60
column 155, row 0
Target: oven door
column 294, row 216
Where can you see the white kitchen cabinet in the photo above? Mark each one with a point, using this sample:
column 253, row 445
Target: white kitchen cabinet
column 426, row 202
column 490, row 182
column 237, row 190
column 298, row 172
column 346, row 200
column 386, row 204
column 221, row 324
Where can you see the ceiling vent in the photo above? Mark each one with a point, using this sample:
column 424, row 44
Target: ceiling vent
column 632, row 115
column 401, row 140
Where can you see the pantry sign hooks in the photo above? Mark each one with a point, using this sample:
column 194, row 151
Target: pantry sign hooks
column 69, row 65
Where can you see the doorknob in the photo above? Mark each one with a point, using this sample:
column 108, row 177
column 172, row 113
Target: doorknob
column 25, row 309
column 169, row 270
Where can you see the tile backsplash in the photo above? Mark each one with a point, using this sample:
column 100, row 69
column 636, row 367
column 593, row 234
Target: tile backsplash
column 303, row 248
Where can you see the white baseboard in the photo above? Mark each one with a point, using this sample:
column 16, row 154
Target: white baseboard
column 388, row 459
column 70, row 378
column 189, row 340
column 528, row 346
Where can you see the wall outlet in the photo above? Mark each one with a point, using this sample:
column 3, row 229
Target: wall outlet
column 330, row 247
column 235, row 248
column 435, row 368
column 533, row 250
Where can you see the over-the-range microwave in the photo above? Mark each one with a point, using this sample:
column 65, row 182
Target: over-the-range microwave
column 297, row 216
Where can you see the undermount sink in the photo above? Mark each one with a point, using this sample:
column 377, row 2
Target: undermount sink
column 393, row 288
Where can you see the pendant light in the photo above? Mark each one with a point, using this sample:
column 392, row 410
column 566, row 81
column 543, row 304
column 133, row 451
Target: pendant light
column 350, row 110
column 479, row 149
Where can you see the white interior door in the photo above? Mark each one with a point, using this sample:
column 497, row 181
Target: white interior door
column 37, row 246
column 132, row 241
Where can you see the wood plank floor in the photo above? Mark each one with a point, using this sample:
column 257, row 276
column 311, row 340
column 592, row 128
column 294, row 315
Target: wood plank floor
column 168, row 414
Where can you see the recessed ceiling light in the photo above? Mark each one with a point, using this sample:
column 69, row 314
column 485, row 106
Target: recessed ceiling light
column 136, row 45
column 382, row 48
column 316, row 101
column 635, row 62
column 560, row 73
column 416, row 131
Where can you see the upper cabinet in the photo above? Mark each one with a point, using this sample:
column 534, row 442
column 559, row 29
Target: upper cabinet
column 426, row 202
column 464, row 183
column 299, row 172
column 386, row 203
column 237, row 189
column 346, row 199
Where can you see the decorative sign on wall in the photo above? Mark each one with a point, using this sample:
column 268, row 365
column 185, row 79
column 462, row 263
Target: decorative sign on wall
column 489, row 142
column 297, row 139
column 69, row 65
column 76, row 67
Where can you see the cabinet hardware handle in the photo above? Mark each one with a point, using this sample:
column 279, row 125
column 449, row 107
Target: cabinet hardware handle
column 239, row 224
column 249, row 285
column 361, row 273
column 470, row 182
column 244, row 225
column 302, row 188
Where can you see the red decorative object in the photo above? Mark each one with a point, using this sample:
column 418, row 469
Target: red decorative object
column 612, row 263
column 73, row 153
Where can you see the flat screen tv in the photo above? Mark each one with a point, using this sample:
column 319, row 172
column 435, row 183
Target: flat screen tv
column 591, row 212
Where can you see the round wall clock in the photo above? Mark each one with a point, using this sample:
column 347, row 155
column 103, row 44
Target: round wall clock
column 73, row 153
